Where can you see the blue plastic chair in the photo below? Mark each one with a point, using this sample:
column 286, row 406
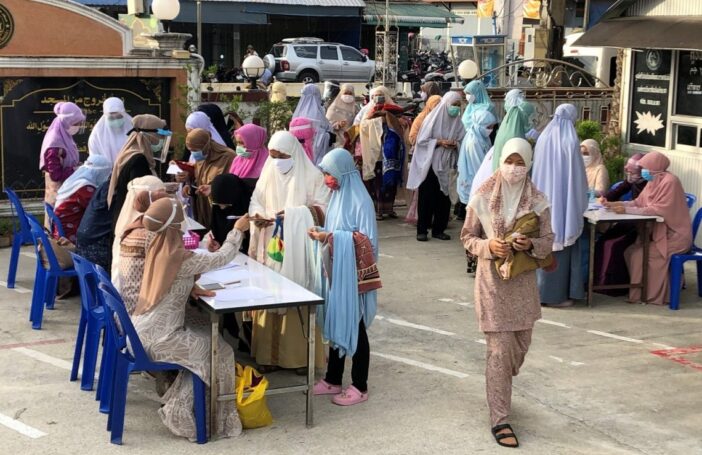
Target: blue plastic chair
column 90, row 325
column 626, row 197
column 107, row 365
column 691, row 199
column 130, row 356
column 54, row 220
column 45, row 280
column 22, row 235
column 677, row 262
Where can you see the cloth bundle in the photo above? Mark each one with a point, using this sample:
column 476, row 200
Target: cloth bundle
column 518, row 262
column 366, row 266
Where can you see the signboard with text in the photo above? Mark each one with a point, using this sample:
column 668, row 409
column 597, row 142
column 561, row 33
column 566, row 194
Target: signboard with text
column 26, row 111
column 649, row 97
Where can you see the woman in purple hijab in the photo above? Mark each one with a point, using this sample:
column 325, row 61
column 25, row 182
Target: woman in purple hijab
column 59, row 152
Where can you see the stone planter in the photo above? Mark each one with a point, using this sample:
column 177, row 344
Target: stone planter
column 5, row 241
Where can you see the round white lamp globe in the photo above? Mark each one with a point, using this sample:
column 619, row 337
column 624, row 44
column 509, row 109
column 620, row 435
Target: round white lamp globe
column 253, row 67
column 165, row 10
column 468, row 70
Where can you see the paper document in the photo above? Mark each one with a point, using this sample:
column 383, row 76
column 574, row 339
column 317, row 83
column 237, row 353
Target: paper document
column 173, row 169
column 225, row 275
column 239, row 293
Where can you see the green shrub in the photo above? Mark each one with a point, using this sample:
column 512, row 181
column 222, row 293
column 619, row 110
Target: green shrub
column 589, row 129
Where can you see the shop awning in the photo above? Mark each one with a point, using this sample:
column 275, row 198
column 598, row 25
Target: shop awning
column 220, row 12
column 659, row 32
column 409, row 15
column 331, row 8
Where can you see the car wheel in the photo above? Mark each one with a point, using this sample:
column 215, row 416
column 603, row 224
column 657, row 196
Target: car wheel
column 308, row 77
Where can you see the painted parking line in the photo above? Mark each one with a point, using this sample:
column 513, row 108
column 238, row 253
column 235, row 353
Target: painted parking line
column 412, row 325
column 18, row 289
column 557, row 324
column 20, row 427
column 423, row 365
column 31, row 343
column 615, row 337
column 40, row 356
column 28, row 254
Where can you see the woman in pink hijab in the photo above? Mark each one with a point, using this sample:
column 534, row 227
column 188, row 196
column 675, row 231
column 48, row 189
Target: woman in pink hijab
column 59, row 156
column 251, row 153
column 303, row 129
column 664, row 197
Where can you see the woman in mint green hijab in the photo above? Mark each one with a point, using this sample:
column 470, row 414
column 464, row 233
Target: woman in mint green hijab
column 515, row 124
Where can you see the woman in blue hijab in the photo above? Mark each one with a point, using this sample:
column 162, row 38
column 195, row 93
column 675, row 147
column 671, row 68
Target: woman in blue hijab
column 351, row 235
column 478, row 99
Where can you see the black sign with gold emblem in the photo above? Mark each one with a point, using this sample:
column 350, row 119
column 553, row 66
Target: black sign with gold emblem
column 26, row 111
column 7, row 26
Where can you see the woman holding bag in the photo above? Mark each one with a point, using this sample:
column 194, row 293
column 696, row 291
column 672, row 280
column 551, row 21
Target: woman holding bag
column 507, row 302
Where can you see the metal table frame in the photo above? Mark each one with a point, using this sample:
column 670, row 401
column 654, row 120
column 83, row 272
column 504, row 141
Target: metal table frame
column 644, row 222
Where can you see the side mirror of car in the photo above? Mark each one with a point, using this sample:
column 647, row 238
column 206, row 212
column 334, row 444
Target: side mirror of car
column 365, row 59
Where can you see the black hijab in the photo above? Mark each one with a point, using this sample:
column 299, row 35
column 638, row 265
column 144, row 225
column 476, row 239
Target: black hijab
column 228, row 189
column 217, row 118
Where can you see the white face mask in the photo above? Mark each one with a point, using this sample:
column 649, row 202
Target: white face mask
column 512, row 173
column 587, row 160
column 470, row 98
column 423, row 96
column 348, row 99
column 73, row 130
column 283, row 164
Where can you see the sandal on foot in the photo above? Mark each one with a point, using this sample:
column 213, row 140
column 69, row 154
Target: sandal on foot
column 499, row 437
column 322, row 387
column 350, row 396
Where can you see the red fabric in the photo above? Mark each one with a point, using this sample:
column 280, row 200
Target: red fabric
column 53, row 159
column 71, row 211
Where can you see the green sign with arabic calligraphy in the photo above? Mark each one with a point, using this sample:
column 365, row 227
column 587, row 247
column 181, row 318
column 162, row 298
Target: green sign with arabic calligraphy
column 26, row 111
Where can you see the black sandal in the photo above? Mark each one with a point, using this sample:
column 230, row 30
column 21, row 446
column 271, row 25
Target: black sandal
column 502, row 436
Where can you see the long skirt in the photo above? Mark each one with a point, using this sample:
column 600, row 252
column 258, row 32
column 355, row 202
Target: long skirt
column 566, row 282
column 505, row 355
column 383, row 197
column 658, row 282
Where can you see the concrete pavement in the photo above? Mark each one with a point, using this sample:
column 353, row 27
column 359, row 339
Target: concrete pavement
column 604, row 380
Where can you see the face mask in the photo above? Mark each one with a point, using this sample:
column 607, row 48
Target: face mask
column 197, row 155
column 453, row 111
column 241, row 151
column 283, row 164
column 513, row 174
column 331, row 182
column 348, row 99
column 646, row 174
column 73, row 130
column 587, row 160
column 470, row 98
column 379, row 100
column 157, row 147
column 115, row 123
column 423, row 96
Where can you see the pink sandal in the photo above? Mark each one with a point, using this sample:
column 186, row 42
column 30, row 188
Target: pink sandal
column 322, row 387
column 350, row 396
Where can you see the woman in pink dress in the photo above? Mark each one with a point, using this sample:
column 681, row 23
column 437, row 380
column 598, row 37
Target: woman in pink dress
column 251, row 154
column 663, row 196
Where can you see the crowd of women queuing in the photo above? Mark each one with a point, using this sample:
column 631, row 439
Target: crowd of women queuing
column 327, row 178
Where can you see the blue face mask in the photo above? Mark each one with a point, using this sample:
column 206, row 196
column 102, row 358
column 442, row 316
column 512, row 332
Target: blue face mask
column 453, row 111
column 157, row 147
column 646, row 175
column 115, row 123
column 242, row 152
column 197, row 155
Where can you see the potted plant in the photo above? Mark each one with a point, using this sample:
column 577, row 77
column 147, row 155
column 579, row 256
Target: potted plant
column 6, row 231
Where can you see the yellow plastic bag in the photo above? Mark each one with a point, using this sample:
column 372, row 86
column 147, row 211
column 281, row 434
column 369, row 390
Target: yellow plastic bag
column 253, row 410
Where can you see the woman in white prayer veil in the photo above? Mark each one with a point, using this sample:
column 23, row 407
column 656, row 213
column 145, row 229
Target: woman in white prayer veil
column 110, row 133
column 292, row 190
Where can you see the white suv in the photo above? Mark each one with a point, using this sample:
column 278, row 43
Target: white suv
column 313, row 60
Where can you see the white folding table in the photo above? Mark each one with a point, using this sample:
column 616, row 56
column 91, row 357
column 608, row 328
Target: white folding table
column 259, row 288
column 601, row 215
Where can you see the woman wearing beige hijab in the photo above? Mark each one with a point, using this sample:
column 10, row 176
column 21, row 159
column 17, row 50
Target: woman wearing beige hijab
column 597, row 174
column 211, row 160
column 280, row 113
column 170, row 331
column 342, row 112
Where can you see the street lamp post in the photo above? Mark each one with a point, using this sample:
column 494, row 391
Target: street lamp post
column 199, row 26
column 386, row 43
column 253, row 68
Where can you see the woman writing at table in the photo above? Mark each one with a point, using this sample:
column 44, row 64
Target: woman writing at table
column 664, row 197
column 170, row 331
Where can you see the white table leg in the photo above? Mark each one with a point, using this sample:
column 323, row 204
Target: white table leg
column 311, row 335
column 214, row 383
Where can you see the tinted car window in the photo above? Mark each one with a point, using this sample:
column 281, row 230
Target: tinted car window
column 351, row 55
column 306, row 51
column 329, row 53
column 278, row 51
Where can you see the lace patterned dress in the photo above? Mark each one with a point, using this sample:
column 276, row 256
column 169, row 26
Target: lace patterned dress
column 132, row 255
column 174, row 332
